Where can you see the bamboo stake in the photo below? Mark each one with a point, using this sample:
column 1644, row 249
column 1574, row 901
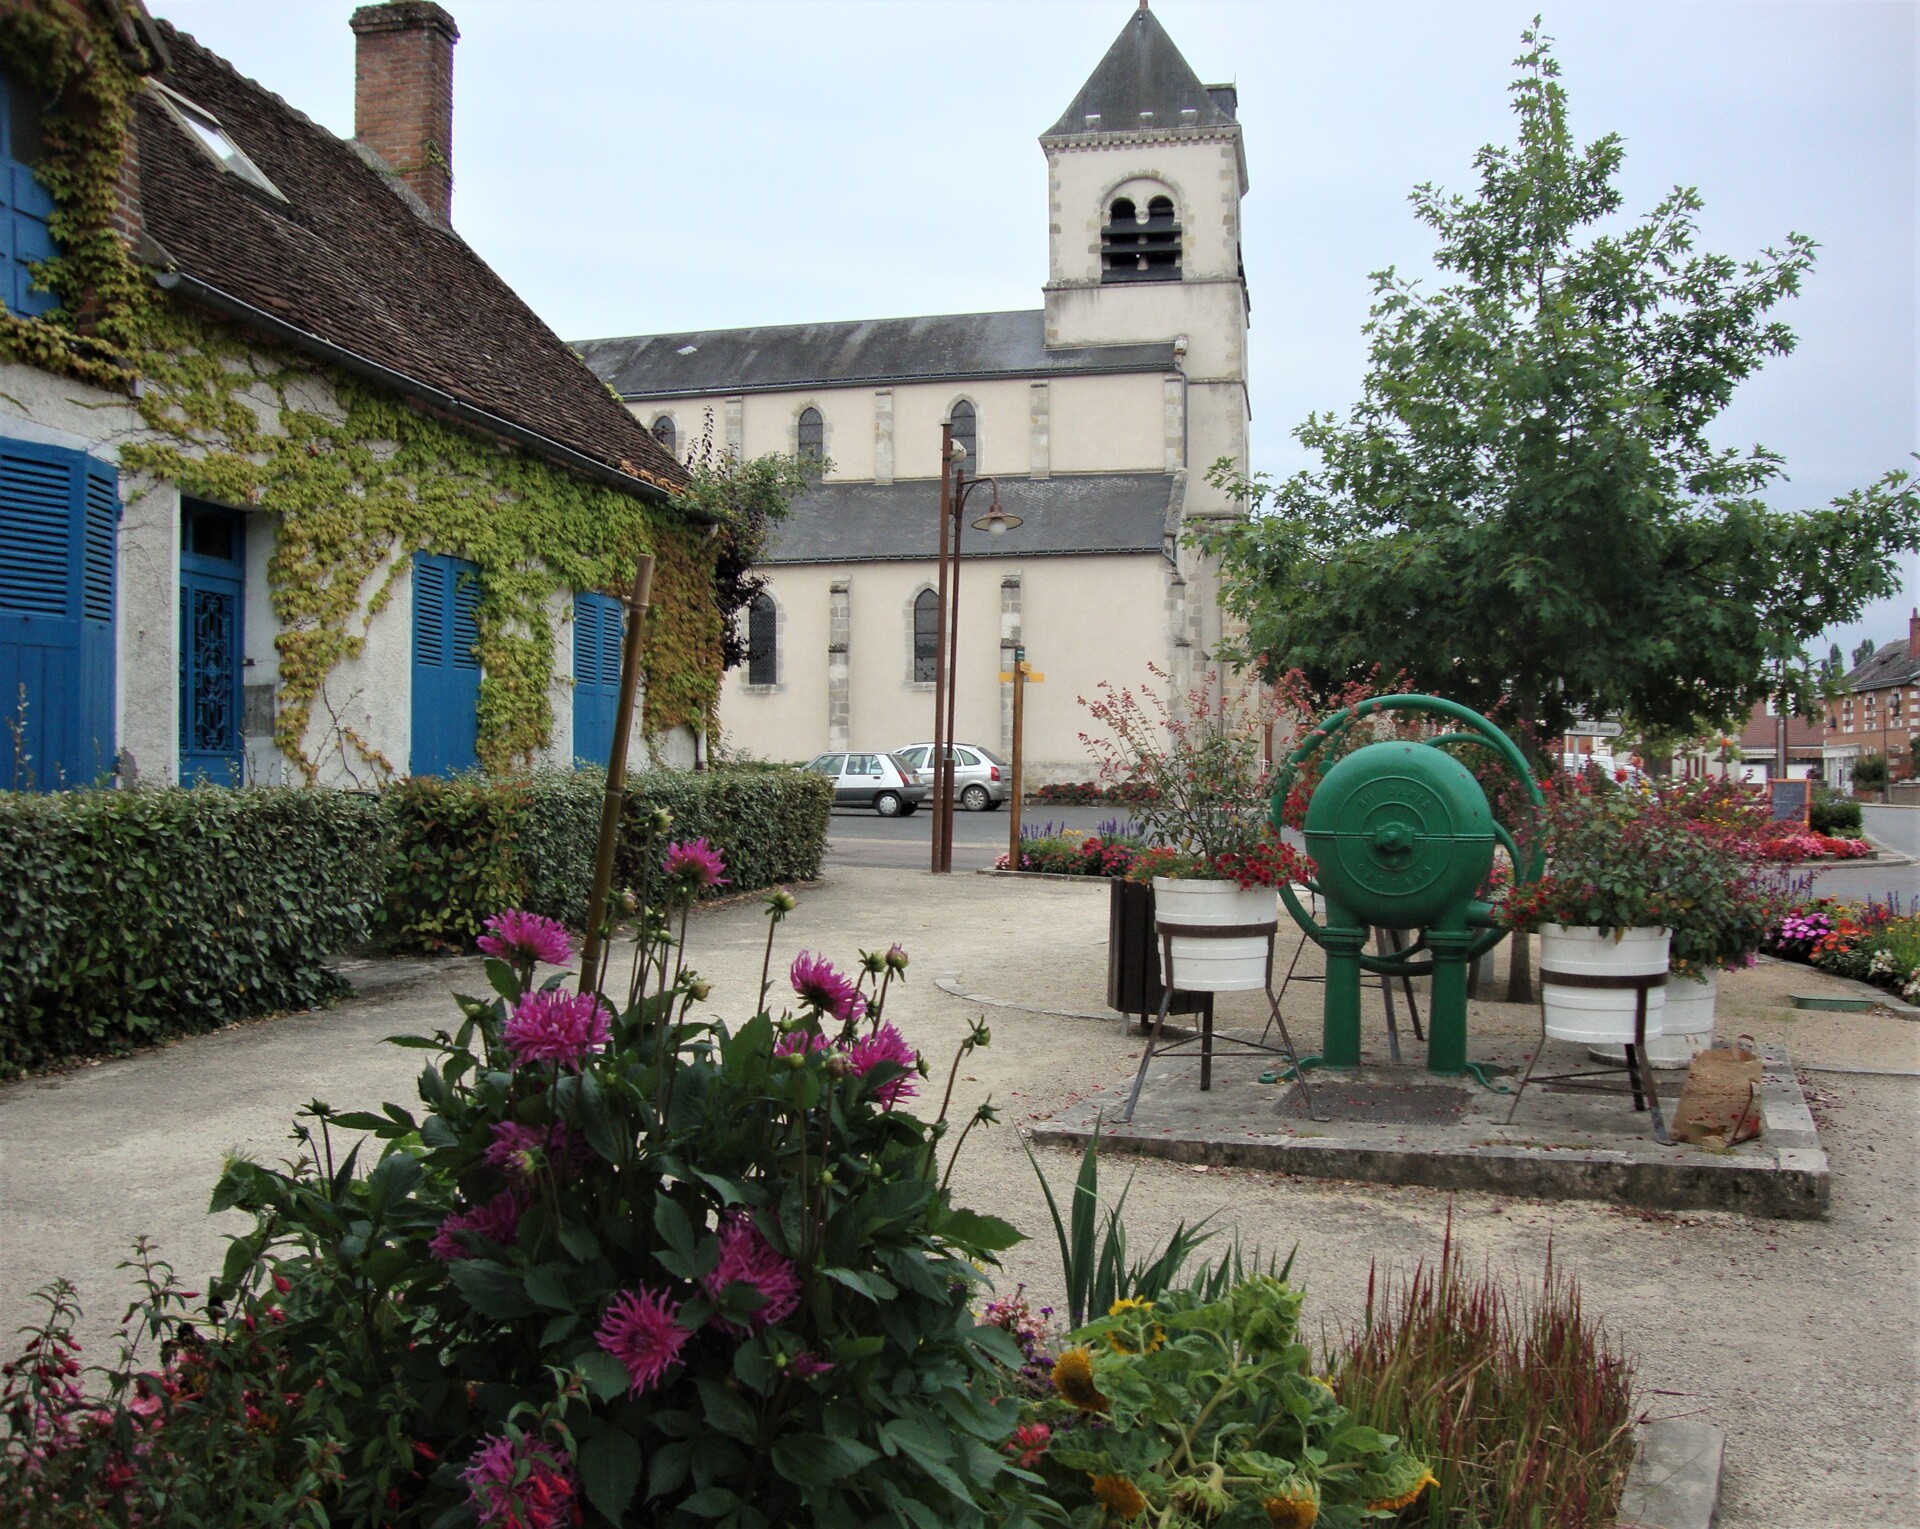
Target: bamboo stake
column 615, row 801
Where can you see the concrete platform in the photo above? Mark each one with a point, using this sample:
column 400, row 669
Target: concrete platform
column 1403, row 1125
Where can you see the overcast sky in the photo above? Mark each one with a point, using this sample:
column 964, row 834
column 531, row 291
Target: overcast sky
column 638, row 167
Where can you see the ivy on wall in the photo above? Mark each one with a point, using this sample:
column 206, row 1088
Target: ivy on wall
column 358, row 478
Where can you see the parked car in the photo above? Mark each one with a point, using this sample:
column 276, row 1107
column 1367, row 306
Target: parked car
column 982, row 780
column 890, row 786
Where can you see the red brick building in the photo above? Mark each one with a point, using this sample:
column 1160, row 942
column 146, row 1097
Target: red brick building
column 1879, row 713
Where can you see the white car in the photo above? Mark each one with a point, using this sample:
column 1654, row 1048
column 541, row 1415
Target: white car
column 888, row 785
column 982, row 780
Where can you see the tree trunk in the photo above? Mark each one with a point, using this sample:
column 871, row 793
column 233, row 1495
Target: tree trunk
column 1520, row 973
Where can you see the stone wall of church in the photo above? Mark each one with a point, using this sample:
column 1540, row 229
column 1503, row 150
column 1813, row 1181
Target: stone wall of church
column 844, row 655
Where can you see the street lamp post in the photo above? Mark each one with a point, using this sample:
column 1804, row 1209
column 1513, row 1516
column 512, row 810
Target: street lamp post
column 955, row 489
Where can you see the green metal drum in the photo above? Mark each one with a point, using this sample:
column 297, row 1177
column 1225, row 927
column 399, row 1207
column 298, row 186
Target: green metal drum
column 1401, row 834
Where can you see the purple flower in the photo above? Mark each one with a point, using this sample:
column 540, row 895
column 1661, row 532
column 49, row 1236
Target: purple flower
column 522, row 1484
column 887, row 1045
column 818, row 984
column 554, row 1026
column 806, row 1364
column 800, row 1043
column 640, row 1331
column 498, row 1221
column 695, row 865
column 746, row 1258
column 524, row 938
column 521, row 1151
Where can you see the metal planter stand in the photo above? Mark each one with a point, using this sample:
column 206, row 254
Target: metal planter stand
column 1204, row 1039
column 1638, row 1069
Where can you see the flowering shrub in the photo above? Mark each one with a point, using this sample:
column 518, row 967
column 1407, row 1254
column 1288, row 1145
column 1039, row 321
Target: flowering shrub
column 1874, row 942
column 1073, row 853
column 1202, row 1411
column 1088, row 793
column 629, row 1264
column 1617, row 861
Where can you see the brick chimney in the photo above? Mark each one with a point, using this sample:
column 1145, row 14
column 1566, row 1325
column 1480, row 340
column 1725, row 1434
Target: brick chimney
column 1913, row 633
column 403, row 94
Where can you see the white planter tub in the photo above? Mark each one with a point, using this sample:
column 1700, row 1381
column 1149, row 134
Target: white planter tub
column 1235, row 964
column 1685, row 1028
column 1600, row 1016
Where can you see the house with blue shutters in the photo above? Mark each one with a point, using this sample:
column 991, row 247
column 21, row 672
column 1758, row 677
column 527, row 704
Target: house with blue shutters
column 269, row 430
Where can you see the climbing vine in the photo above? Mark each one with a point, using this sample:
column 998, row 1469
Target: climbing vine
column 357, row 478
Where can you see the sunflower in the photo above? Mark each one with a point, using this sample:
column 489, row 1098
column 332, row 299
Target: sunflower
column 1073, row 1379
column 1291, row 1512
column 1118, row 1496
column 1390, row 1504
column 1124, row 1306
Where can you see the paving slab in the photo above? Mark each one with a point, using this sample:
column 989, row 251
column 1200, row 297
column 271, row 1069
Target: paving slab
column 1674, row 1482
column 1402, row 1125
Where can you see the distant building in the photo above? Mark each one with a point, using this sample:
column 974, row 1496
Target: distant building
column 1098, row 413
column 1878, row 711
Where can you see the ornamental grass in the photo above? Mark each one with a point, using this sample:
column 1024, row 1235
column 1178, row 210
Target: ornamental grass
column 1520, row 1401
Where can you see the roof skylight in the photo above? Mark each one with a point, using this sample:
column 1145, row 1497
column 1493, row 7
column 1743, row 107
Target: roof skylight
column 205, row 129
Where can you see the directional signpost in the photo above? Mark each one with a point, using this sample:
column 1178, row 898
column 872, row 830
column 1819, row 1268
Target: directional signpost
column 1022, row 675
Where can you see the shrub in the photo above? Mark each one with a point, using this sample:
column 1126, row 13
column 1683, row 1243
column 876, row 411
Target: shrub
column 558, row 834
column 130, row 916
column 1838, row 816
column 628, row 1259
column 1870, row 770
column 769, row 825
column 452, row 858
column 1521, row 1404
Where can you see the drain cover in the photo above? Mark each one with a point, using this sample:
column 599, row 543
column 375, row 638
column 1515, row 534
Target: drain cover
column 1379, row 1103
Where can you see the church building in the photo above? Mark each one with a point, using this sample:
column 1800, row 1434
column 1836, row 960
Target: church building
column 1097, row 413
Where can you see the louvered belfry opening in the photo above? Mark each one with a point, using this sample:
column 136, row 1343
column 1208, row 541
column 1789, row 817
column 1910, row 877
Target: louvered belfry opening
column 1140, row 248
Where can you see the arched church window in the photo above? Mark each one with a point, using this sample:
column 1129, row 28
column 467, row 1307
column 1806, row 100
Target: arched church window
column 926, row 637
column 763, row 637
column 664, row 433
column 812, row 441
column 1133, row 248
column 966, row 433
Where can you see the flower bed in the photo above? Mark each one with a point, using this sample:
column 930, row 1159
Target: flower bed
column 1871, row 942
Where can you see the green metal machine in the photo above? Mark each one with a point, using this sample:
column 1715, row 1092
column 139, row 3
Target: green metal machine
column 1402, row 838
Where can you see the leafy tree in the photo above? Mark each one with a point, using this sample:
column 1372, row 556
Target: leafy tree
column 1863, row 650
column 1524, row 511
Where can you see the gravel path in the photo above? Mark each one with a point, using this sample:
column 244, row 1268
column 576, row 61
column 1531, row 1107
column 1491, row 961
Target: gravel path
column 1798, row 1337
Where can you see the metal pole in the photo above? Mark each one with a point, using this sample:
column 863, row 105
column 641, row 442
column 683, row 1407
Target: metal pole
column 616, row 794
column 945, row 821
column 940, row 642
column 1018, row 790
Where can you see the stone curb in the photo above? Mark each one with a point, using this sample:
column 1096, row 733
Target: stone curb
column 1044, row 876
column 1674, row 1481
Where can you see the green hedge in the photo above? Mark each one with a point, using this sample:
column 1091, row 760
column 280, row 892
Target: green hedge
column 130, row 916
column 1838, row 816
column 452, row 859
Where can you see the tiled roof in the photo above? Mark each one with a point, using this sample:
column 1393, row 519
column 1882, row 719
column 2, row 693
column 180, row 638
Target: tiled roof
column 1894, row 664
column 1084, row 513
column 1143, row 83
column 862, row 351
column 352, row 260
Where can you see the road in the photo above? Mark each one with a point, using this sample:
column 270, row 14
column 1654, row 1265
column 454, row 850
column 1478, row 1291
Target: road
column 865, row 839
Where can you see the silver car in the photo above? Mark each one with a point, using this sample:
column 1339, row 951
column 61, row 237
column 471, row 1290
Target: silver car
column 890, row 786
column 982, row 780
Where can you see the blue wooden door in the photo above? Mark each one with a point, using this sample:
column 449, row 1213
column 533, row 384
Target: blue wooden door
column 446, row 664
column 59, row 528
column 212, row 646
column 598, row 626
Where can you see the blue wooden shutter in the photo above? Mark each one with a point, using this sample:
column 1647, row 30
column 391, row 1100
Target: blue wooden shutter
column 446, row 665
column 59, row 527
column 25, row 208
column 597, row 631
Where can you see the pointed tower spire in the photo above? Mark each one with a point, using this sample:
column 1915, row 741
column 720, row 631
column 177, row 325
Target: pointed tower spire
column 1144, row 85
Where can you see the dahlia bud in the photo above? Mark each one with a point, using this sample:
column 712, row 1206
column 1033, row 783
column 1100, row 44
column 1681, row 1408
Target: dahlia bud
column 838, row 1066
column 871, row 963
column 699, row 990
column 897, row 958
column 662, row 820
column 780, row 900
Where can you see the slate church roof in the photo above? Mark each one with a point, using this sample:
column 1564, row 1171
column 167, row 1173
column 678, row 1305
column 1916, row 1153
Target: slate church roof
column 872, row 352
column 1144, row 85
column 858, row 522
column 352, row 261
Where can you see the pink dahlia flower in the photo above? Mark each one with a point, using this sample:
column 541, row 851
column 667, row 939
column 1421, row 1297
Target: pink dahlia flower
column 806, row 1364
column 526, row 937
column 887, row 1045
column 522, row 1484
column 695, row 864
column 800, row 1043
column 521, row 1151
column 641, row 1331
column 556, row 1026
column 818, row 984
column 746, row 1258
column 497, row 1220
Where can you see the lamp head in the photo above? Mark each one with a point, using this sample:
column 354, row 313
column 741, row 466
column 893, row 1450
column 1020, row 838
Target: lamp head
column 996, row 522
